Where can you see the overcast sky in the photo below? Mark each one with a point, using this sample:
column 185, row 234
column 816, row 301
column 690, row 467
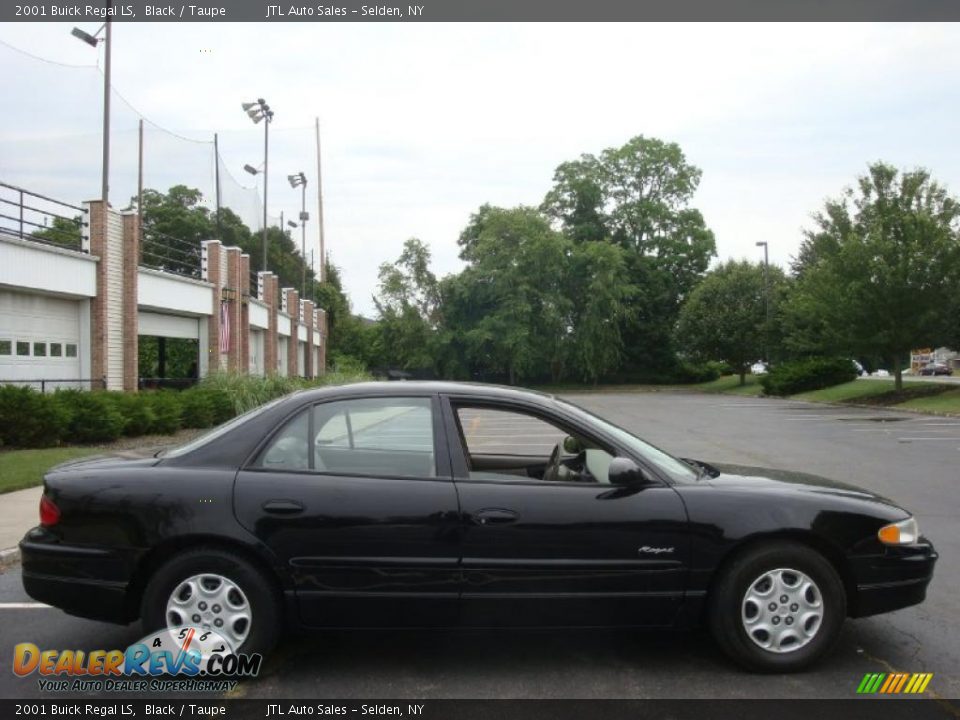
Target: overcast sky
column 423, row 123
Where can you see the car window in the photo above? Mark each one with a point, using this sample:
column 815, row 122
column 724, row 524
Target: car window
column 375, row 436
column 381, row 437
column 510, row 446
column 289, row 449
column 502, row 432
column 674, row 468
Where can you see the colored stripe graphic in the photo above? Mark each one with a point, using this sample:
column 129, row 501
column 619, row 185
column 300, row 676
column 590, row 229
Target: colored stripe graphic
column 894, row 683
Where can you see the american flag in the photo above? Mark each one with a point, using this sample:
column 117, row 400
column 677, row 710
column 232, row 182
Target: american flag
column 224, row 328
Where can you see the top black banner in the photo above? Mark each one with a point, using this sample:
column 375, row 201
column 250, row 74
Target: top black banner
column 486, row 11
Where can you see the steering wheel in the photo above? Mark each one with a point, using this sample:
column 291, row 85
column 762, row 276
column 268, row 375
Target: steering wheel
column 552, row 471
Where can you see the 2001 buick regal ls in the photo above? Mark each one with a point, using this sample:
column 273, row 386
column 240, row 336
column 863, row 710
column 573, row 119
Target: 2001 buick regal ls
column 444, row 504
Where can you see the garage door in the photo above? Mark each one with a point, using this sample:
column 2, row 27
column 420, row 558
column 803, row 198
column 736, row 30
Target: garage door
column 39, row 338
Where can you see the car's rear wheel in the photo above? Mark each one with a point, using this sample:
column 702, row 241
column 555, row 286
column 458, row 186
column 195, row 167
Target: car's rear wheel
column 778, row 607
column 215, row 590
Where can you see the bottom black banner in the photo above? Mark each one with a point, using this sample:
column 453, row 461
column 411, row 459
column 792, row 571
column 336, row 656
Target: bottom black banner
column 860, row 709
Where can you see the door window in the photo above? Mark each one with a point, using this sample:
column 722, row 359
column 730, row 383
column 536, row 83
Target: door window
column 382, row 437
column 511, row 446
column 375, row 436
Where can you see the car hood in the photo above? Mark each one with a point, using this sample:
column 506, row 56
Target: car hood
column 746, row 477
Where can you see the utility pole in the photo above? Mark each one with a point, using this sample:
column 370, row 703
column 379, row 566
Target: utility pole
column 107, row 48
column 766, row 300
column 323, row 254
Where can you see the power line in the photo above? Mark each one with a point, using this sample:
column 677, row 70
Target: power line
column 43, row 59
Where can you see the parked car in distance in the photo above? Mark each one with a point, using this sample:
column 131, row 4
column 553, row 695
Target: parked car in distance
column 881, row 373
column 758, row 368
column 430, row 504
column 935, row 368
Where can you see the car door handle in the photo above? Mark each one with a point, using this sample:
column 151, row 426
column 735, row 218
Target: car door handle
column 282, row 507
column 494, row 516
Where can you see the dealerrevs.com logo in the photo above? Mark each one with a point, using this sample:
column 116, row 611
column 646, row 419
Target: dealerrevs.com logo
column 183, row 659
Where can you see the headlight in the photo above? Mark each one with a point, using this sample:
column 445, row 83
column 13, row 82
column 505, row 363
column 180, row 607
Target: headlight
column 905, row 532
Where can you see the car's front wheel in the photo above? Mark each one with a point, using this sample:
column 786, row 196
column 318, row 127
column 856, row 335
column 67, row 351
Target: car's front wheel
column 215, row 590
column 778, row 607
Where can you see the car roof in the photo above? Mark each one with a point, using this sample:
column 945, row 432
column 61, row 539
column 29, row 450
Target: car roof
column 405, row 387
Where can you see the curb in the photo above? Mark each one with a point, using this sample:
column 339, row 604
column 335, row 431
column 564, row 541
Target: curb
column 9, row 558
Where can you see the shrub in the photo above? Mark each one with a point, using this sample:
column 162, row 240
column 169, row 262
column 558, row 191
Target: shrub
column 166, row 411
column 29, row 418
column 696, row 373
column 92, row 416
column 197, row 407
column 137, row 413
column 813, row 373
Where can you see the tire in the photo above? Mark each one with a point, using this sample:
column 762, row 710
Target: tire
column 216, row 570
column 793, row 634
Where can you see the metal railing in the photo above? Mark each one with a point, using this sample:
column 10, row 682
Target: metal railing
column 160, row 251
column 254, row 284
column 31, row 216
column 165, row 383
column 42, row 383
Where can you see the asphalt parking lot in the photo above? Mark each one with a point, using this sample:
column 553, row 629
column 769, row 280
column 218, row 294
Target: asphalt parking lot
column 914, row 459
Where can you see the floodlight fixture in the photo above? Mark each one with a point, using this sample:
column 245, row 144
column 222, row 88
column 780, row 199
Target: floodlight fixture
column 89, row 39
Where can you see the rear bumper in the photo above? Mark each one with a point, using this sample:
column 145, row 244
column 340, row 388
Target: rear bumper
column 83, row 581
column 895, row 579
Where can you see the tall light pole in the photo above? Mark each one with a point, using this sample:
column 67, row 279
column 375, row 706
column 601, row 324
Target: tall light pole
column 766, row 299
column 300, row 180
column 258, row 111
column 92, row 40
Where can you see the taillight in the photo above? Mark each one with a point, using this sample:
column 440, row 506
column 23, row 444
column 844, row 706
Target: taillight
column 49, row 512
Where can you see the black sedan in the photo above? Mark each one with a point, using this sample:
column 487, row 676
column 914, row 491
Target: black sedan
column 936, row 368
column 457, row 505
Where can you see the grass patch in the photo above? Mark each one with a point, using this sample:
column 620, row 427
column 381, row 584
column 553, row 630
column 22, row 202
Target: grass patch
column 946, row 402
column 854, row 391
column 21, row 469
column 882, row 393
column 730, row 385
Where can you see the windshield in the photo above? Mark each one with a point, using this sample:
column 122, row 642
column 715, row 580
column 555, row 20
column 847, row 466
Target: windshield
column 217, row 431
column 675, row 469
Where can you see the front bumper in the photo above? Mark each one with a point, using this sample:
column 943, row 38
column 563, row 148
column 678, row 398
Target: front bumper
column 84, row 581
column 896, row 578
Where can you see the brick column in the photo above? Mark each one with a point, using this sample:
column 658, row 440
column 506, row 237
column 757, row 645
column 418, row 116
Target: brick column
column 131, row 337
column 232, row 293
column 110, row 308
column 270, row 337
column 322, row 328
column 307, row 314
column 245, row 312
column 293, row 309
column 98, row 303
column 211, row 272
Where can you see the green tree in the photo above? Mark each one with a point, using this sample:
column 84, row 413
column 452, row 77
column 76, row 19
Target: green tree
column 515, row 286
column 878, row 273
column 408, row 306
column 348, row 336
column 602, row 290
column 62, row 231
column 638, row 197
column 174, row 224
column 725, row 316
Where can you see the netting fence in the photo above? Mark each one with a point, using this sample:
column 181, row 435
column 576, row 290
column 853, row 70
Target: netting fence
column 51, row 144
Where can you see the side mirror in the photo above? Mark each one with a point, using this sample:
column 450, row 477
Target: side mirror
column 625, row 472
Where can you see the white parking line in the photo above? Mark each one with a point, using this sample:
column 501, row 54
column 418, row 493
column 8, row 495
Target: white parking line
column 22, row 605
column 911, row 439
